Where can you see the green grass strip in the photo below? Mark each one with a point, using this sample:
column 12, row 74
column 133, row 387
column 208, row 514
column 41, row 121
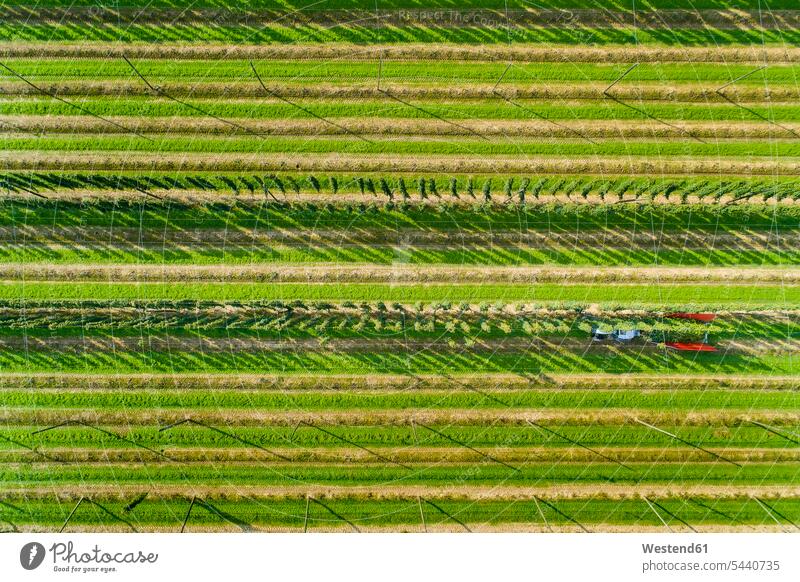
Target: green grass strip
column 344, row 71
column 454, row 360
column 277, row 33
column 206, row 399
column 561, row 218
column 241, row 512
column 387, row 255
column 456, row 110
column 279, row 437
column 708, row 295
column 449, row 475
column 433, row 146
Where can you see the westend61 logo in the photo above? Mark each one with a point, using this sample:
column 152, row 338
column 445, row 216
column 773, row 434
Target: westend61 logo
column 67, row 559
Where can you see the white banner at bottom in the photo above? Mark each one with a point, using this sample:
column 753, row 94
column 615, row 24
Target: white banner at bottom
column 400, row 557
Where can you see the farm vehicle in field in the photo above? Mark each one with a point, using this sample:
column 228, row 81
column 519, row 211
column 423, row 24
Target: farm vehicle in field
column 620, row 335
column 688, row 334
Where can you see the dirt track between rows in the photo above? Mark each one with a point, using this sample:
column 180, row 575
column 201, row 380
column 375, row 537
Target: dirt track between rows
column 193, row 196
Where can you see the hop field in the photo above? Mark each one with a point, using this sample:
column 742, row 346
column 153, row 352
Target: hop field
column 413, row 268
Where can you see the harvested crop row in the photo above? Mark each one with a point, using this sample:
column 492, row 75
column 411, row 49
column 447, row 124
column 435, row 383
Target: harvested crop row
column 379, row 163
column 282, row 383
column 50, row 124
column 281, row 326
column 688, row 92
column 409, row 51
column 241, row 312
column 777, row 323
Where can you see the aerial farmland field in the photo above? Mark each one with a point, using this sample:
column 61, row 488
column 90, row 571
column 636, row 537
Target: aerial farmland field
column 400, row 266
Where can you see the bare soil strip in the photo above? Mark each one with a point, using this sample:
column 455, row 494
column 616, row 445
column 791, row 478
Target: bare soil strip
column 420, row 455
column 381, row 127
column 409, row 51
column 399, row 273
column 343, row 196
column 694, row 92
column 427, row 18
column 486, row 164
column 243, row 492
column 125, row 419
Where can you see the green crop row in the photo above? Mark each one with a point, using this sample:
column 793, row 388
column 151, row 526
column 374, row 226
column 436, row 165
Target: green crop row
column 344, row 71
column 449, row 146
column 426, row 109
column 231, row 254
column 455, row 398
column 243, row 513
column 151, row 214
column 39, row 31
column 483, row 473
column 439, row 360
column 275, row 437
column 652, row 296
